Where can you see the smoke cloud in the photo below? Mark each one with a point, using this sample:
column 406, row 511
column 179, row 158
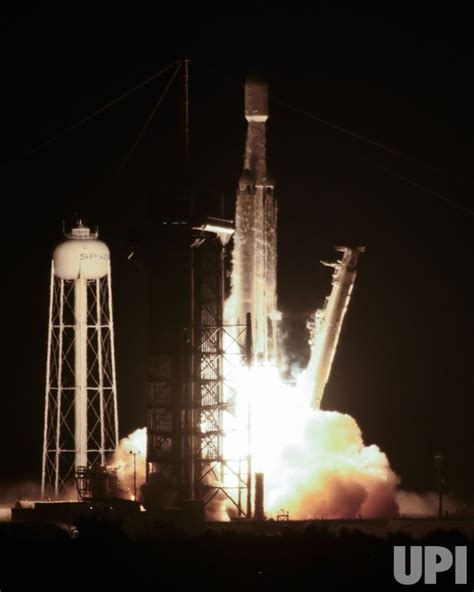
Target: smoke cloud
column 130, row 461
column 330, row 473
column 424, row 504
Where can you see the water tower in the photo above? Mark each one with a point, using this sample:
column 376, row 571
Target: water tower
column 80, row 416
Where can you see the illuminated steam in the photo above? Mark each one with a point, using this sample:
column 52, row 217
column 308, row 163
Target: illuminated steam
column 131, row 449
column 315, row 462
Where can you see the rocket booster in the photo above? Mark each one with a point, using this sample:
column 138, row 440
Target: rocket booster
column 328, row 321
column 255, row 255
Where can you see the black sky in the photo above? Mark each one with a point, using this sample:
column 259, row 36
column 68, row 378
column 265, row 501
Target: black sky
column 398, row 76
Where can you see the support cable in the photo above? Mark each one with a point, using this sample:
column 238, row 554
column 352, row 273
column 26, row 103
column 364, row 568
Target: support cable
column 148, row 121
column 361, row 138
column 94, row 114
column 385, row 148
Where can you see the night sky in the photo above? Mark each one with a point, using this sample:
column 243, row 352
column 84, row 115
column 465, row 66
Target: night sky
column 403, row 369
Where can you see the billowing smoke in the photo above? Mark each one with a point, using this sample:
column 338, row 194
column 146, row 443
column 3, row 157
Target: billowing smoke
column 17, row 491
column 424, row 504
column 130, row 461
column 330, row 473
column 316, row 464
column 12, row 493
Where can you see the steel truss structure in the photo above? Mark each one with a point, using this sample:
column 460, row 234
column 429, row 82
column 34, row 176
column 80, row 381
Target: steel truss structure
column 80, row 418
column 164, row 422
column 217, row 354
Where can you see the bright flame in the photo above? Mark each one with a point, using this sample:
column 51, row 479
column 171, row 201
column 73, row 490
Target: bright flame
column 315, row 462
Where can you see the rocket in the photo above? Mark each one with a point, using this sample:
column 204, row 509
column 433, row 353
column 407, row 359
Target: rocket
column 255, row 248
column 327, row 324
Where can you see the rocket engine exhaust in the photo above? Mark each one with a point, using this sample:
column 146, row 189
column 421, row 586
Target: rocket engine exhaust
column 248, row 421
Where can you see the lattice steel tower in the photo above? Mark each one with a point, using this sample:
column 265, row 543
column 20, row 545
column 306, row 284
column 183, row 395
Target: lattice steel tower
column 80, row 417
column 211, row 469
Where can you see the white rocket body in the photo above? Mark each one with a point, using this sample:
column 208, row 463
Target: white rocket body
column 255, row 253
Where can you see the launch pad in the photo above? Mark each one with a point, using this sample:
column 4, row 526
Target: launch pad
column 223, row 327
column 213, row 325
column 224, row 324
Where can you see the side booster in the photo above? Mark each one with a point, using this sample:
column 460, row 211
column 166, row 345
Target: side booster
column 327, row 324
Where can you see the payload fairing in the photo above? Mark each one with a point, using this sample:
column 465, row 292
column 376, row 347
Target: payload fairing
column 255, row 251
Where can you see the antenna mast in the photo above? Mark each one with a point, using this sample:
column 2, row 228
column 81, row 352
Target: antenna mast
column 186, row 112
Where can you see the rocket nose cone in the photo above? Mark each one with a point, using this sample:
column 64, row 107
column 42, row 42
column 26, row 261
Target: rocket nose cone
column 256, row 98
column 255, row 78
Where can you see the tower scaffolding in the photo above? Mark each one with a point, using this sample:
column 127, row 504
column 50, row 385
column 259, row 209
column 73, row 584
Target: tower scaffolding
column 217, row 353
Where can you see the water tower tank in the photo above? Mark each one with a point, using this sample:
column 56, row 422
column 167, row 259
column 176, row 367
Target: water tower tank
column 82, row 252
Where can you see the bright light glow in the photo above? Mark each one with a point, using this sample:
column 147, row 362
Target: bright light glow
column 123, row 461
column 315, row 462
